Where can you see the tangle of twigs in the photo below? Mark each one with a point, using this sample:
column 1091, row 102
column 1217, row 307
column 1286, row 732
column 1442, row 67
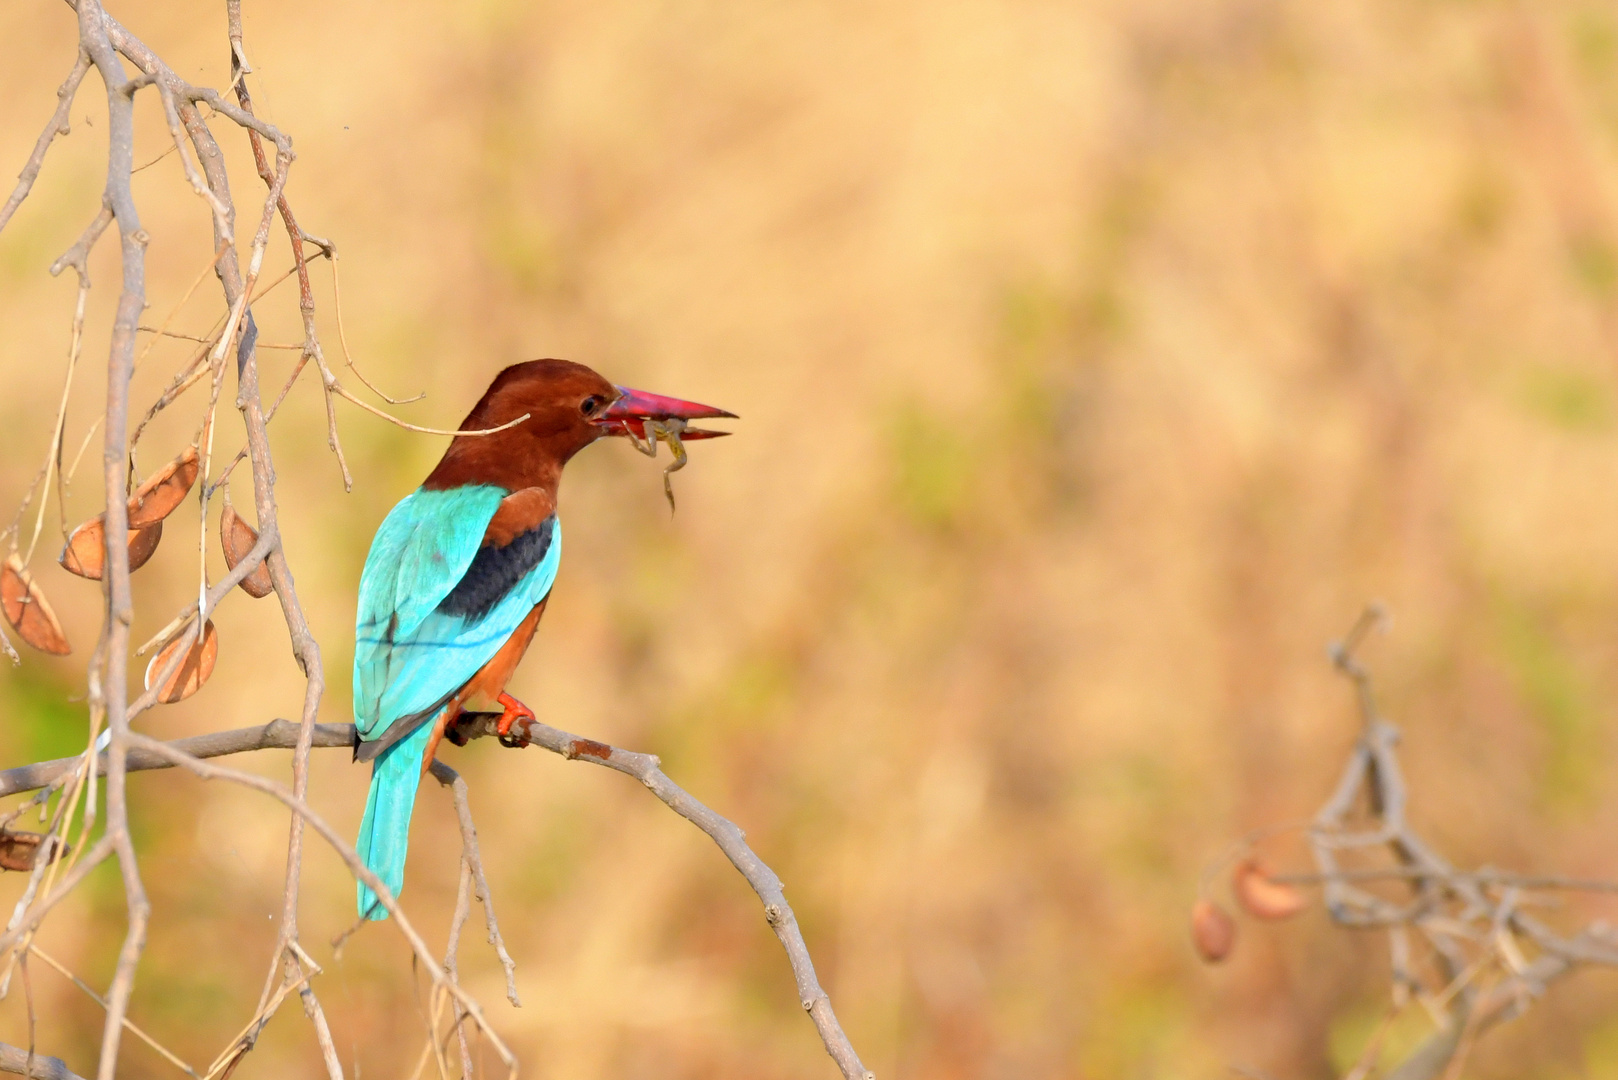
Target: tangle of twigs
column 1464, row 946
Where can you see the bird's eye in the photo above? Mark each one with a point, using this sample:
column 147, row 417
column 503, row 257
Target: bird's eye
column 589, row 404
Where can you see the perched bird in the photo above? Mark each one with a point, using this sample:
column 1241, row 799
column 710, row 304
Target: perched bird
column 459, row 573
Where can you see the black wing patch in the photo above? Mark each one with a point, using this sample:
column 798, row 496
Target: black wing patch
column 495, row 571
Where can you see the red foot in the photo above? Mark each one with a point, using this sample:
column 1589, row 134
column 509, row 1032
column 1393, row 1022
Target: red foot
column 515, row 710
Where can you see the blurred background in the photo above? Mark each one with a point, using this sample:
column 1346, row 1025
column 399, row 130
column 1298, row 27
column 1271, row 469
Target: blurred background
column 1096, row 363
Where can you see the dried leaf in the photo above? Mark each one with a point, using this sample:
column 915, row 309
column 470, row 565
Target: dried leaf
column 192, row 671
column 19, row 850
column 1262, row 897
column 1213, row 931
column 85, row 552
column 163, row 490
column 237, row 537
column 27, row 610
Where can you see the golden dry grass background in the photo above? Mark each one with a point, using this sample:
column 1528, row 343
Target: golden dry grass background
column 1096, row 362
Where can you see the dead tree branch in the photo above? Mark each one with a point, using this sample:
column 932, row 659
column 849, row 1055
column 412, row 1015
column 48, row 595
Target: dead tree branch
column 14, row 1059
column 1485, row 958
column 474, row 863
column 58, row 125
column 276, row 735
column 644, row 767
column 647, row 768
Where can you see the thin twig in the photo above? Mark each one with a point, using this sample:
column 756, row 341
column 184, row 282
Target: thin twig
column 463, row 909
column 58, row 125
column 342, row 339
column 134, row 1029
column 474, row 860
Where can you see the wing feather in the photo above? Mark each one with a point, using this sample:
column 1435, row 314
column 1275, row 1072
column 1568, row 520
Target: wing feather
column 411, row 654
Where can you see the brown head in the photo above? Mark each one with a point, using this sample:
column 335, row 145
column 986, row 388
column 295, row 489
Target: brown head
column 568, row 407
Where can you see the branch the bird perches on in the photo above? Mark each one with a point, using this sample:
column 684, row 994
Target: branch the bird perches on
column 282, row 734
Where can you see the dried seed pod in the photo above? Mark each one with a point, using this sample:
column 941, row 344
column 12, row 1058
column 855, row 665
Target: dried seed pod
column 156, row 499
column 20, row 850
column 1213, row 931
column 85, row 552
column 1262, row 897
column 237, row 537
column 192, row 671
column 27, row 610
column 143, row 544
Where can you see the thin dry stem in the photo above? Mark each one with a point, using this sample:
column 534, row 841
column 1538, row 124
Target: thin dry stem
column 134, row 1029
column 57, row 125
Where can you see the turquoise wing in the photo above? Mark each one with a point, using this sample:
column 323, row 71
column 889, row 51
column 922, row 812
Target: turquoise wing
column 412, row 651
column 421, row 550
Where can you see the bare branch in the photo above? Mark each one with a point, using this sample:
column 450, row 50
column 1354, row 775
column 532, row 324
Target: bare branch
column 644, row 767
column 474, row 862
column 93, row 38
column 14, row 1059
column 346, row 852
column 58, row 125
column 276, row 735
column 731, row 840
column 1471, row 921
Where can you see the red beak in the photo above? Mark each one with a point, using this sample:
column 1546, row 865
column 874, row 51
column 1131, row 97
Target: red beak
column 633, row 408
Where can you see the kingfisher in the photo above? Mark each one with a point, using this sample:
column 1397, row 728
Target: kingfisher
column 460, row 571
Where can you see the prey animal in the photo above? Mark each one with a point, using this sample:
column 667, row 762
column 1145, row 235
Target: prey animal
column 459, row 574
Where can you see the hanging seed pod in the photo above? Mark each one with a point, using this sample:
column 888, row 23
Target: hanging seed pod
column 1213, row 931
column 192, row 671
column 85, row 552
column 237, row 537
column 27, row 610
column 20, row 850
column 1262, row 897
column 156, row 499
column 143, row 544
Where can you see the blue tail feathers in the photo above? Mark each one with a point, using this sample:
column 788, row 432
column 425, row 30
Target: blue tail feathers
column 385, row 830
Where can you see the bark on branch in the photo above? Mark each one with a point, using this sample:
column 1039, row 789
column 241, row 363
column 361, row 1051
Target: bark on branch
column 282, row 734
column 15, row 1060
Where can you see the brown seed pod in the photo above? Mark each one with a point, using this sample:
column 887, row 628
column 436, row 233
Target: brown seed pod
column 143, row 544
column 1262, row 897
column 85, row 552
column 192, row 671
column 156, row 499
column 1213, row 931
column 20, row 850
column 237, row 537
column 27, row 610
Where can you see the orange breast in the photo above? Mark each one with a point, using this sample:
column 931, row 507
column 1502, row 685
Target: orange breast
column 480, row 691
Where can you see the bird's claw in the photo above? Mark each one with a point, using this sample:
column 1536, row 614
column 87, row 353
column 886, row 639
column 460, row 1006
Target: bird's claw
column 514, row 711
